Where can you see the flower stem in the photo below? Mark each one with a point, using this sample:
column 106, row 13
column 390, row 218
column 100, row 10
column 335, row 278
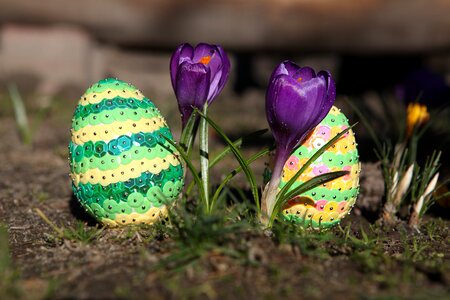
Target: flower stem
column 271, row 190
column 204, row 157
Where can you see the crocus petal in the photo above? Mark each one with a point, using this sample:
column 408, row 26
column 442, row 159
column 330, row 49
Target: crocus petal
column 183, row 53
column 225, row 70
column 216, row 65
column 192, row 87
column 219, row 65
column 219, row 80
column 285, row 68
column 281, row 106
column 214, row 87
column 313, row 93
column 293, row 111
column 203, row 50
column 331, row 93
column 304, row 74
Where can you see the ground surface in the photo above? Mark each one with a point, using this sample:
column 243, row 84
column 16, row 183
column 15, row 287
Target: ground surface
column 212, row 258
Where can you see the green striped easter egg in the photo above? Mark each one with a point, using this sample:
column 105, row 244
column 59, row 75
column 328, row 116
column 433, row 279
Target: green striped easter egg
column 123, row 170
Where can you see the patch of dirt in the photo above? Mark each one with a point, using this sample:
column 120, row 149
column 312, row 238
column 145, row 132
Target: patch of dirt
column 123, row 263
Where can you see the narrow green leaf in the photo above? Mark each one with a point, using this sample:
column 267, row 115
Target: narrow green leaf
column 413, row 141
column 249, row 174
column 237, row 143
column 20, row 114
column 364, row 235
column 189, row 164
column 310, row 184
column 447, row 194
column 316, row 155
column 189, row 132
column 440, row 186
column 236, row 171
column 323, row 178
column 5, row 257
column 226, row 151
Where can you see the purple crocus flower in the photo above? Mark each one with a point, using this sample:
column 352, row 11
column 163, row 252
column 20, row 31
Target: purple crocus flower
column 198, row 75
column 297, row 100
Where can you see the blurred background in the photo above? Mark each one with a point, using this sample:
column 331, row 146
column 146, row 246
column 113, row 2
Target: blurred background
column 377, row 50
column 383, row 54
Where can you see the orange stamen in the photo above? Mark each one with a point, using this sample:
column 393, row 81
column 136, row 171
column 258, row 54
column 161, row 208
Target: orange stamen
column 299, row 79
column 205, row 60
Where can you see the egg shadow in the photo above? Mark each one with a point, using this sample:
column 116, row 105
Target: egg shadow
column 80, row 213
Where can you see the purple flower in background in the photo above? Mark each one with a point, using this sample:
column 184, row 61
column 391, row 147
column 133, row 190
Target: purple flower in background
column 198, row 76
column 297, row 100
column 424, row 85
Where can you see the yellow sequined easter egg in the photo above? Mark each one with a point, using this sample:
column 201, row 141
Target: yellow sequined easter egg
column 324, row 206
column 123, row 169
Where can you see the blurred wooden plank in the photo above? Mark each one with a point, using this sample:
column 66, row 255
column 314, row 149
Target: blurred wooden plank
column 307, row 25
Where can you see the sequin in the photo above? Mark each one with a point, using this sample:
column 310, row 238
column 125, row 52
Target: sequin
column 321, row 206
column 118, row 153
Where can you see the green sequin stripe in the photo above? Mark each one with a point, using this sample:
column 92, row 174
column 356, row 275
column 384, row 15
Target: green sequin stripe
column 121, row 144
column 301, row 221
column 304, row 152
column 169, row 189
column 332, row 194
column 82, row 112
column 111, row 162
column 332, row 120
column 109, row 104
column 110, row 84
column 115, row 115
column 331, row 159
column 136, row 194
column 133, row 201
column 141, row 184
column 339, row 160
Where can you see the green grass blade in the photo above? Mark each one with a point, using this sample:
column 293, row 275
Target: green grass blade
column 439, row 187
column 214, row 161
column 310, row 184
column 316, row 155
column 225, row 152
column 237, row 143
column 189, row 132
column 248, row 173
column 189, row 164
column 5, row 258
column 323, row 178
column 20, row 114
column 233, row 173
column 364, row 235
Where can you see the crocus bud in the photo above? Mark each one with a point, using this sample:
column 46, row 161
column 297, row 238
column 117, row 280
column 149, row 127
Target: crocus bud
column 416, row 115
column 297, row 100
column 198, row 76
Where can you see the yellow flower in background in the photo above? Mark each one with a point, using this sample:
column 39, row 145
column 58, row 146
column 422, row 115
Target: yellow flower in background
column 416, row 115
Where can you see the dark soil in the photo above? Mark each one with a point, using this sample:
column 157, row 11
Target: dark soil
column 356, row 260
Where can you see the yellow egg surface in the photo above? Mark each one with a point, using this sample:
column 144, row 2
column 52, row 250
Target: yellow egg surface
column 325, row 205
